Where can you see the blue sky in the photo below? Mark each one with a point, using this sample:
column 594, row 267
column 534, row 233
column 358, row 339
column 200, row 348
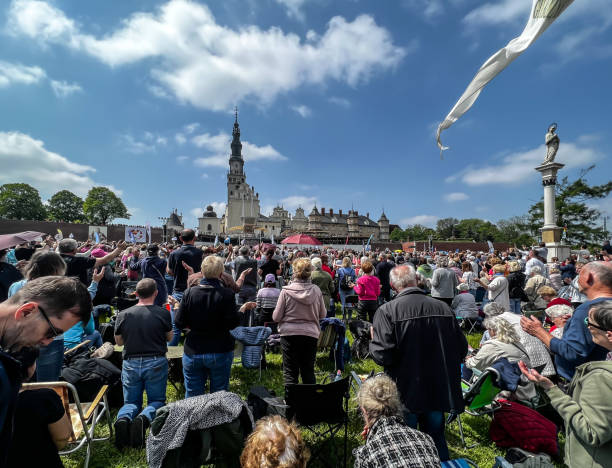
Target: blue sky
column 339, row 101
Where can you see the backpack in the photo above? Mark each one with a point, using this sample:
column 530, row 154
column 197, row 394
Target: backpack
column 88, row 375
column 264, row 402
column 347, row 278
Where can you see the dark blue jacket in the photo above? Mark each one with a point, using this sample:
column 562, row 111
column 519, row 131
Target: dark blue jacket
column 576, row 346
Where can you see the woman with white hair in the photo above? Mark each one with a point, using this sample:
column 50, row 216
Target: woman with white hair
column 389, row 441
column 464, row 304
column 535, row 282
column 536, row 350
column 559, row 314
column 504, row 343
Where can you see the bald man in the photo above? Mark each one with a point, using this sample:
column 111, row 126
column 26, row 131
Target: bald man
column 576, row 346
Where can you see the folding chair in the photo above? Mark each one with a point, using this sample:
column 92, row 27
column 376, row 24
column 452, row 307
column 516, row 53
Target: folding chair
column 250, row 338
column 83, row 416
column 322, row 410
column 350, row 304
column 468, row 324
column 479, row 397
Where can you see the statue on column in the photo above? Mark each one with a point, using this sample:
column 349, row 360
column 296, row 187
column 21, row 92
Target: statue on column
column 552, row 144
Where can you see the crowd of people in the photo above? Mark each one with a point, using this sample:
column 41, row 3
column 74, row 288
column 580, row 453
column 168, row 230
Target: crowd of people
column 552, row 318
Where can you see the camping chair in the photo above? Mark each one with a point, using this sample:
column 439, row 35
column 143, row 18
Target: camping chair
column 350, row 304
column 322, row 410
column 479, row 397
column 83, row 416
column 468, row 324
column 251, row 354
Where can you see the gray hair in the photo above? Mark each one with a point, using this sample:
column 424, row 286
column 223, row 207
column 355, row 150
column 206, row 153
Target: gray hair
column 67, row 245
column 442, row 262
column 378, row 397
column 317, row 263
column 536, row 270
column 602, row 314
column 504, row 330
column 602, row 271
column 493, row 309
column 244, row 251
column 403, row 276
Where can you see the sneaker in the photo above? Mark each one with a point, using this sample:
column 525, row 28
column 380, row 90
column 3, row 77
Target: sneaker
column 139, row 431
column 122, row 433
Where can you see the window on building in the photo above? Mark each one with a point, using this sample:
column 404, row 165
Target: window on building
column 210, row 227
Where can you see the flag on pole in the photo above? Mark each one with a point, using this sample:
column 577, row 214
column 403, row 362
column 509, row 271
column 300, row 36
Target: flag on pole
column 346, row 243
column 216, row 240
column 272, row 239
column 491, row 248
column 369, row 240
column 543, row 14
column 148, row 226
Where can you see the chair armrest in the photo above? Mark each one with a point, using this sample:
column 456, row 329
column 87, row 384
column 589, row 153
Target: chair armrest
column 82, row 343
column 96, row 402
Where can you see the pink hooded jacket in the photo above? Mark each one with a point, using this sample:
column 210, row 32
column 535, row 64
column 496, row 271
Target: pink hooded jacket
column 299, row 308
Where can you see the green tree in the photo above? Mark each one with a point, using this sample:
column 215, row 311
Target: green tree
column 515, row 230
column 66, row 206
column 476, row 229
column 573, row 210
column 21, row 201
column 419, row 232
column 397, row 235
column 445, row 228
column 102, row 206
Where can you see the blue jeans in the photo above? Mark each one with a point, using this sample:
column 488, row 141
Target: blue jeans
column 515, row 306
column 49, row 362
column 432, row 423
column 143, row 374
column 178, row 295
column 198, row 368
column 344, row 293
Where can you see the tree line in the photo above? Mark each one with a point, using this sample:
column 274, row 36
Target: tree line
column 23, row 202
column 575, row 212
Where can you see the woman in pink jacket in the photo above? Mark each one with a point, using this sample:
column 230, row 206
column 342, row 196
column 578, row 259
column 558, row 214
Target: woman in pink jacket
column 299, row 308
column 368, row 290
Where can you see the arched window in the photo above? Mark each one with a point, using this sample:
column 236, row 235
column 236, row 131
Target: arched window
column 210, row 227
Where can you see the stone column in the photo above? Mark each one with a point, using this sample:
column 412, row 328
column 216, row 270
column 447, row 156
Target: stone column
column 551, row 233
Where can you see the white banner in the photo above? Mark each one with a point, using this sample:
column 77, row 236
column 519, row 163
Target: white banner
column 135, row 234
column 543, row 14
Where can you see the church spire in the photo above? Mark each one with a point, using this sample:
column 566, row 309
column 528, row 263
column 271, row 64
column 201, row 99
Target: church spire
column 236, row 144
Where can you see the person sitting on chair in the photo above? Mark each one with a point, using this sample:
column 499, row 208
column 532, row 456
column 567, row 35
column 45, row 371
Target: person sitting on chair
column 275, row 443
column 389, row 441
column 144, row 330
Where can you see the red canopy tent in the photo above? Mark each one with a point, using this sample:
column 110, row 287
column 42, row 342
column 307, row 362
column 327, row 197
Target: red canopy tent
column 301, row 239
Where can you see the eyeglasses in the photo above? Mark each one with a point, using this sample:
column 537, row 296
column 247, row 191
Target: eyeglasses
column 588, row 323
column 53, row 331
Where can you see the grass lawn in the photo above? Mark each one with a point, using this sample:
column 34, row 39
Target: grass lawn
column 476, row 430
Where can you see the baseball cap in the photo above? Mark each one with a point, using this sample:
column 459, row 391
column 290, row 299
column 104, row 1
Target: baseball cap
column 270, row 278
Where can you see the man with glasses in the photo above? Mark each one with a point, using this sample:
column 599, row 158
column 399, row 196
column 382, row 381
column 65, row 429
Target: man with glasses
column 43, row 309
column 576, row 345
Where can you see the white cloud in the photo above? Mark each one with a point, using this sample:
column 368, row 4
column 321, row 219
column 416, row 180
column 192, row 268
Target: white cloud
column 518, row 168
column 342, row 102
column 455, row 197
column 425, row 220
column 428, row 8
column 218, row 147
column 295, row 201
column 303, row 110
column 64, row 89
column 294, row 8
column 16, row 73
column 211, row 66
column 190, row 128
column 129, row 144
column 24, row 159
column 180, row 138
column 204, row 175
column 491, row 14
column 182, row 159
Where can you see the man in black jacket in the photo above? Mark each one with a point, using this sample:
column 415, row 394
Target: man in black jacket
column 421, row 346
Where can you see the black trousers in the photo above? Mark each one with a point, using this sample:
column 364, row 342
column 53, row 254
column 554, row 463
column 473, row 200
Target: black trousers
column 299, row 353
column 366, row 310
column 448, row 300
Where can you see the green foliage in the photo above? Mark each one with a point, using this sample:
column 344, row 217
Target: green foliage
column 102, row 206
column 21, row 201
column 445, row 228
column 574, row 210
column 66, row 206
column 476, row 229
column 397, row 235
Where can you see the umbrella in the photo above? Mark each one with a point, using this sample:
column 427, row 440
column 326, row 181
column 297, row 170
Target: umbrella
column 301, row 239
column 11, row 240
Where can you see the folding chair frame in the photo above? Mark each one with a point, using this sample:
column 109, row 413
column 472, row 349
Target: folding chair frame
column 94, row 413
column 326, row 435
